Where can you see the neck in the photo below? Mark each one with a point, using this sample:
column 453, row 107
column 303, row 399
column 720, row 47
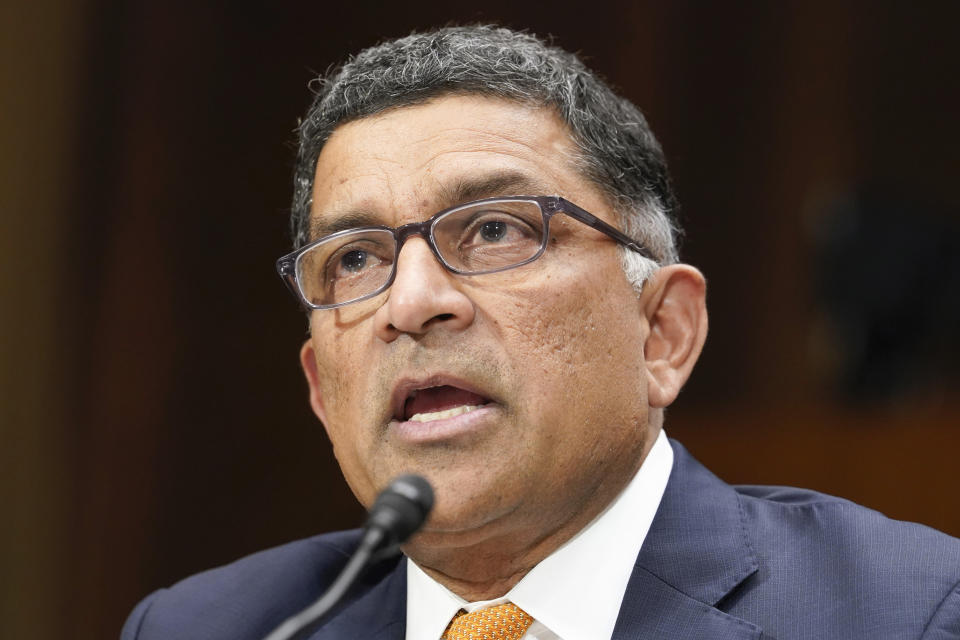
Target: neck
column 488, row 569
column 486, row 563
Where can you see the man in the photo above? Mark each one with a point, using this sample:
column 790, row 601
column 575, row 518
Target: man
column 486, row 251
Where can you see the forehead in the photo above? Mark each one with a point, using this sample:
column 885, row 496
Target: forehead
column 412, row 161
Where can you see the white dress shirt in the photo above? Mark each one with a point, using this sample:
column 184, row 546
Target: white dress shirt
column 575, row 592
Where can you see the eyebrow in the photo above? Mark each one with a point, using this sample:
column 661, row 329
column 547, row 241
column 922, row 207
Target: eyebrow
column 334, row 223
column 496, row 183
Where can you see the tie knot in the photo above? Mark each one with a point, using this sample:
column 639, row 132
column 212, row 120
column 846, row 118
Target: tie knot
column 502, row 622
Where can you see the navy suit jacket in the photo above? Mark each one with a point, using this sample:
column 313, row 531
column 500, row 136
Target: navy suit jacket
column 719, row 562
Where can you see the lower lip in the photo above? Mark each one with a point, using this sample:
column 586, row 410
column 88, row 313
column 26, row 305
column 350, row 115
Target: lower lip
column 443, row 429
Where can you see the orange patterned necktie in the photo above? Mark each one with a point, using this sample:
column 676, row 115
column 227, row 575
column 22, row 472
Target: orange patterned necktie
column 502, row 622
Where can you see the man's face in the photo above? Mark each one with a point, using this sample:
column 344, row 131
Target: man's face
column 548, row 356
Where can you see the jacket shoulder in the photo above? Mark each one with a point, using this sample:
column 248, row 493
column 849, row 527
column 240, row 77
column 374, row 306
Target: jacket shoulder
column 815, row 548
column 802, row 512
column 246, row 598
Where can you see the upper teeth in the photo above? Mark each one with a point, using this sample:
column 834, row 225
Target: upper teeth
column 446, row 413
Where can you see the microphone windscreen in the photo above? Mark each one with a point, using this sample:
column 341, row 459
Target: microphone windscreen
column 402, row 508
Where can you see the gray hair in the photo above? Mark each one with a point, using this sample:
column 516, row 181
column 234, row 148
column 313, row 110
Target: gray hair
column 615, row 148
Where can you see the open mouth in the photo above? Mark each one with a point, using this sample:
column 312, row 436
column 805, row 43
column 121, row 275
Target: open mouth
column 440, row 402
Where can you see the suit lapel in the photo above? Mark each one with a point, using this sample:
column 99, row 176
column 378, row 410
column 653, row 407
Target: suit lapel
column 380, row 612
column 696, row 552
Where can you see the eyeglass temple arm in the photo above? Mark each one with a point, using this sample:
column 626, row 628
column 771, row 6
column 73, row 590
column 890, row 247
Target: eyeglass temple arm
column 591, row 220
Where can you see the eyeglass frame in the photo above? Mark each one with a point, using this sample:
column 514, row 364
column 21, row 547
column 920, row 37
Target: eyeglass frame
column 549, row 207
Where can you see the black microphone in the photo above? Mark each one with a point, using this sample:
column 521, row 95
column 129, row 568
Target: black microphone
column 397, row 513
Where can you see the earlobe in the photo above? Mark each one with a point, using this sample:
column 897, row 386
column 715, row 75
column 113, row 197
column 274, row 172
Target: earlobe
column 308, row 361
column 676, row 311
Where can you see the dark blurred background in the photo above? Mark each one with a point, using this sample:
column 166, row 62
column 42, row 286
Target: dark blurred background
column 154, row 419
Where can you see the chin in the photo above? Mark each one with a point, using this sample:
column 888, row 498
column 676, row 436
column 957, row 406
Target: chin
column 460, row 514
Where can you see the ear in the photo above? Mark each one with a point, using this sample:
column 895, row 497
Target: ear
column 674, row 303
column 308, row 361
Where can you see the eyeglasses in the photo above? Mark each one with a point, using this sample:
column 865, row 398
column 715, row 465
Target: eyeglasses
column 485, row 236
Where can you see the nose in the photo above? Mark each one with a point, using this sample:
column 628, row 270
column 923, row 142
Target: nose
column 423, row 296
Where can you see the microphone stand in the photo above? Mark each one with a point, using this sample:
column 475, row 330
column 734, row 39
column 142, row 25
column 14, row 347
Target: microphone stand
column 357, row 563
column 397, row 513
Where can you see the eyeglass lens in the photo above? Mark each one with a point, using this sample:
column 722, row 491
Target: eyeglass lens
column 477, row 238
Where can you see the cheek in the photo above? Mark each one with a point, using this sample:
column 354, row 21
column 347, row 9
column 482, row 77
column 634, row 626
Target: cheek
column 341, row 379
column 577, row 318
column 574, row 339
column 342, row 395
column 336, row 351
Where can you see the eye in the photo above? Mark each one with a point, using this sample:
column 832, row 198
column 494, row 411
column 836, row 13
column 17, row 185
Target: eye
column 357, row 259
column 346, row 266
column 496, row 227
column 493, row 231
column 353, row 261
column 488, row 236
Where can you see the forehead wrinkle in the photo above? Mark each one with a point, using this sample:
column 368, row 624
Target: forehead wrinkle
column 475, row 140
column 500, row 171
column 457, row 190
column 436, row 169
column 344, row 210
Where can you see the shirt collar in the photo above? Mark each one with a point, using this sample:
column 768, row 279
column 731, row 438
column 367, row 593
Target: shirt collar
column 577, row 590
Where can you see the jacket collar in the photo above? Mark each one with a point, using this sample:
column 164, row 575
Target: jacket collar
column 696, row 552
column 380, row 612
